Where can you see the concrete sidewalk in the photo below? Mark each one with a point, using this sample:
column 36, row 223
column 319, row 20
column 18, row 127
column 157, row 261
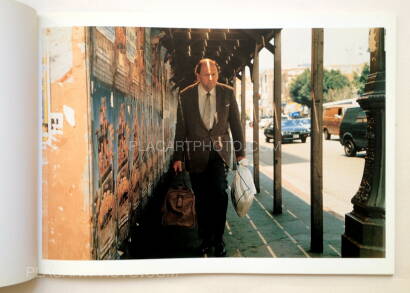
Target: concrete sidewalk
column 262, row 234
column 259, row 234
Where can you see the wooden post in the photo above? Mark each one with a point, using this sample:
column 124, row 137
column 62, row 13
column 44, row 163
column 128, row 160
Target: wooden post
column 277, row 115
column 316, row 143
column 243, row 103
column 255, row 77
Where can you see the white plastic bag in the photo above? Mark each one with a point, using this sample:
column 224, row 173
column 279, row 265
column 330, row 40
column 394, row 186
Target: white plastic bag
column 242, row 189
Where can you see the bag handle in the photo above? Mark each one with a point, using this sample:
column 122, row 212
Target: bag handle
column 235, row 163
column 182, row 175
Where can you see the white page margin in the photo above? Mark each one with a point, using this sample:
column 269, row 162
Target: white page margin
column 18, row 155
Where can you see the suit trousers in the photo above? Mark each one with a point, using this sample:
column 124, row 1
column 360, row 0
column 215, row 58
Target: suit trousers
column 211, row 198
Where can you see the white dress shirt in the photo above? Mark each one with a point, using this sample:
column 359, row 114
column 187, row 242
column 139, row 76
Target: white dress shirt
column 201, row 101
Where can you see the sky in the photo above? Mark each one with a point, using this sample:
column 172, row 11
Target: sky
column 341, row 46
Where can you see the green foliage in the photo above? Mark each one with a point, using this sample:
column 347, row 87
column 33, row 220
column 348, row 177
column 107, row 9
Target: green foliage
column 359, row 81
column 335, row 87
column 334, row 79
column 300, row 88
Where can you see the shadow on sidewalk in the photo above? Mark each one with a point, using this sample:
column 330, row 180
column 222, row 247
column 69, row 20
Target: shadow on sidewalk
column 259, row 234
column 150, row 239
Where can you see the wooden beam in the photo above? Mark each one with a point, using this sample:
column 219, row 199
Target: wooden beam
column 316, row 143
column 243, row 103
column 258, row 39
column 277, row 114
column 255, row 77
column 213, row 35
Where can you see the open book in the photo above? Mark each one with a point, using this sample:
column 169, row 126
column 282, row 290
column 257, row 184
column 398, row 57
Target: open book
column 81, row 121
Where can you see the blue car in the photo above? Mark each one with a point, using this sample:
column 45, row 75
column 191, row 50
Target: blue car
column 291, row 130
column 305, row 122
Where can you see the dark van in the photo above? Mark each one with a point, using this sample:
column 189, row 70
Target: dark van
column 353, row 131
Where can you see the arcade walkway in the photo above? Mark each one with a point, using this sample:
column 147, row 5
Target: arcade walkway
column 259, row 234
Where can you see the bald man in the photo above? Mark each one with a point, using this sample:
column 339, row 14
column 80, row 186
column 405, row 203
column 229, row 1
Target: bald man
column 207, row 110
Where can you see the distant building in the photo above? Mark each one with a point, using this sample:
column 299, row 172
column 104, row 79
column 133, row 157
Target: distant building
column 266, row 86
column 248, row 94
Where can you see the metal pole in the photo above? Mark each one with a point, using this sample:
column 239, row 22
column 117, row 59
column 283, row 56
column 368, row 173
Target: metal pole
column 255, row 75
column 277, row 107
column 316, row 143
column 365, row 230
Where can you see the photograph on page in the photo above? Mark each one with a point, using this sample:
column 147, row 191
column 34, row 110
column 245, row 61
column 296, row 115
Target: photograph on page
column 192, row 143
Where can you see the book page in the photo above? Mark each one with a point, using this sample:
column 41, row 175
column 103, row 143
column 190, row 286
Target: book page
column 19, row 146
column 109, row 98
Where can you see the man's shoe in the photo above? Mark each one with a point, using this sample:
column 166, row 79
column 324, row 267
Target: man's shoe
column 205, row 248
column 220, row 250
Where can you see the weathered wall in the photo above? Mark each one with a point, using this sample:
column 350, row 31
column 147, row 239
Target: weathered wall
column 119, row 90
column 66, row 172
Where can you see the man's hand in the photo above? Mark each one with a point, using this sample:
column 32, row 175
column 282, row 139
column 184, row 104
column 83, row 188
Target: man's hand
column 177, row 166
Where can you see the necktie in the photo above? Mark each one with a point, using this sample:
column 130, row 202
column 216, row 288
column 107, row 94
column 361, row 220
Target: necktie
column 207, row 110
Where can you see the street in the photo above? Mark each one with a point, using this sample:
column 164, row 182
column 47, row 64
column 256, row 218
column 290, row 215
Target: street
column 341, row 174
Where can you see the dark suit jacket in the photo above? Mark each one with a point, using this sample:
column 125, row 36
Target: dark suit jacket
column 193, row 139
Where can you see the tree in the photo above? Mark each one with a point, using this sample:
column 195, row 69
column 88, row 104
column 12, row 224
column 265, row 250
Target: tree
column 359, row 81
column 339, row 94
column 336, row 86
column 334, row 79
column 300, row 88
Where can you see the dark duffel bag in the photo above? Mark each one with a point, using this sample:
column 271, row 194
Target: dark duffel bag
column 178, row 208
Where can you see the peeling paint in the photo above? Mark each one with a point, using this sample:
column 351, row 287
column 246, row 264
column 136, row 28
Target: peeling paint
column 82, row 47
column 55, row 127
column 61, row 57
column 69, row 115
column 64, row 148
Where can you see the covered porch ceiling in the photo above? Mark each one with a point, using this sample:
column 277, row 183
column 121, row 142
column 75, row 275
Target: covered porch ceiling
column 231, row 48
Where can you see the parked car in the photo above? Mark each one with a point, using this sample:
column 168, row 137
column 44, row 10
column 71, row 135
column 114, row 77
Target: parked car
column 291, row 130
column 332, row 117
column 305, row 122
column 353, row 131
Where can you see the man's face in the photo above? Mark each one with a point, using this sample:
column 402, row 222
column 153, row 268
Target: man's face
column 208, row 75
